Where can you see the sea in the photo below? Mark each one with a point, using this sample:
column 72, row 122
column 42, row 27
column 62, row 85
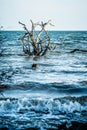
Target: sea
column 51, row 97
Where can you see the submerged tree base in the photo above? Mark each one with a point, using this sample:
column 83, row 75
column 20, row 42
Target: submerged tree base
column 35, row 66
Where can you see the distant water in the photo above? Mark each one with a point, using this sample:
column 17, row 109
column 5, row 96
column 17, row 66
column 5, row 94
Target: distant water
column 50, row 96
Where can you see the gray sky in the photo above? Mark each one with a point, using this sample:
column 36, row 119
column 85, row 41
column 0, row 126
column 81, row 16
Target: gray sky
column 65, row 14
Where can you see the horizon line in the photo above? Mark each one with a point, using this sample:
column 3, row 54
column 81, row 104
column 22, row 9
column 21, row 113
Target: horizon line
column 46, row 30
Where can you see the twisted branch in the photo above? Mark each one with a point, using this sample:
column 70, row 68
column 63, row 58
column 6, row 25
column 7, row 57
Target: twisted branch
column 39, row 44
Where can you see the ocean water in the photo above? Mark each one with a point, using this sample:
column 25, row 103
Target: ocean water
column 51, row 96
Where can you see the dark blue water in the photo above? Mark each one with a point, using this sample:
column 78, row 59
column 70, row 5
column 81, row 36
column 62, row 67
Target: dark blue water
column 47, row 97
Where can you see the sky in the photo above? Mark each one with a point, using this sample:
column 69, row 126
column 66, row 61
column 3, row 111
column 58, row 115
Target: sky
column 64, row 14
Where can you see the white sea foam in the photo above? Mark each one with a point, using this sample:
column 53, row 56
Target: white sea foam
column 50, row 106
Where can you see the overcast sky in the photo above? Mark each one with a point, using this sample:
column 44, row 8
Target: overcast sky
column 65, row 14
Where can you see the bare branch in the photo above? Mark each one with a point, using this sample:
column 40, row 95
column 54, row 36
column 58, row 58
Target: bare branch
column 36, row 44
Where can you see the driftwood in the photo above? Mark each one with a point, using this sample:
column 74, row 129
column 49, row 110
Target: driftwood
column 79, row 50
column 36, row 42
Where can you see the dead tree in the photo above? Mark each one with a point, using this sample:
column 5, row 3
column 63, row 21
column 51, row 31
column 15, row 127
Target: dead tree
column 1, row 27
column 35, row 42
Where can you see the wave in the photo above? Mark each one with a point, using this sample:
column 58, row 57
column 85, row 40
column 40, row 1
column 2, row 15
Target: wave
column 43, row 113
column 83, row 82
column 53, row 89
